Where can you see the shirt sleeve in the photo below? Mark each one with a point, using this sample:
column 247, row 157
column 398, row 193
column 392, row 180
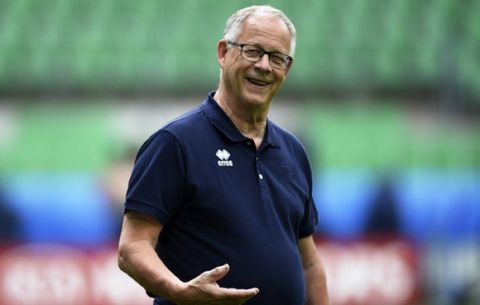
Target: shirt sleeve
column 310, row 220
column 157, row 182
column 310, row 217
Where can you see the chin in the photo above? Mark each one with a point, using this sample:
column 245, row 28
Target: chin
column 257, row 98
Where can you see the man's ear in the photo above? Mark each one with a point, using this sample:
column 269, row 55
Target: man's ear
column 222, row 48
column 288, row 68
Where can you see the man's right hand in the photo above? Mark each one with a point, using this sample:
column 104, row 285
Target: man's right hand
column 204, row 290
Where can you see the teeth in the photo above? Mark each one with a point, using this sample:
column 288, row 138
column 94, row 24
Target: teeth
column 257, row 82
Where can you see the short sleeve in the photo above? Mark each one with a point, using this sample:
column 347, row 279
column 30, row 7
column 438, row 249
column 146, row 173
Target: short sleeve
column 310, row 217
column 157, row 181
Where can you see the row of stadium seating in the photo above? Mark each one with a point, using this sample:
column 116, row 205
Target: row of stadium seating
column 345, row 136
column 147, row 44
column 87, row 136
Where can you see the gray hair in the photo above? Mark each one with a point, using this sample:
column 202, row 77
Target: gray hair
column 235, row 22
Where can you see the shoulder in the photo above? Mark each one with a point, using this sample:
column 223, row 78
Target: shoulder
column 286, row 137
column 170, row 134
column 176, row 129
column 186, row 120
column 291, row 145
column 189, row 124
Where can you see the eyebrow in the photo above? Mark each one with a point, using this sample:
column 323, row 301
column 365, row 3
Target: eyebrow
column 269, row 51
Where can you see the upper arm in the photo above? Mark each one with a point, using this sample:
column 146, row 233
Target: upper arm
column 308, row 252
column 139, row 227
column 157, row 184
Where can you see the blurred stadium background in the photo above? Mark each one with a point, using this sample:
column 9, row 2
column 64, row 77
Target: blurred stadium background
column 385, row 94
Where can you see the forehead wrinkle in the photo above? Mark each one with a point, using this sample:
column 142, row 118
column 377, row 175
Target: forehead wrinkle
column 254, row 29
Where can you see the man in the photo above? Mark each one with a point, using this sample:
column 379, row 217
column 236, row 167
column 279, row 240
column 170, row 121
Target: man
column 219, row 208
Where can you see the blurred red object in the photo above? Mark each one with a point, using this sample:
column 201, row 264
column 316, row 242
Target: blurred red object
column 362, row 272
column 382, row 271
column 50, row 274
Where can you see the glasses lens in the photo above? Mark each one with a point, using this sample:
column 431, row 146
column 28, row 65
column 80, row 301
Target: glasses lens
column 277, row 60
column 252, row 53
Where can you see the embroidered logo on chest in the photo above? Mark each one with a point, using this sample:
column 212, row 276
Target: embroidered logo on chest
column 224, row 157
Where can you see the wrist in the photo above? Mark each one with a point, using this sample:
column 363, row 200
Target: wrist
column 177, row 290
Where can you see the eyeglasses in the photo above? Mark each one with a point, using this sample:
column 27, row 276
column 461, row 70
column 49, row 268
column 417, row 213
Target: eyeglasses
column 252, row 53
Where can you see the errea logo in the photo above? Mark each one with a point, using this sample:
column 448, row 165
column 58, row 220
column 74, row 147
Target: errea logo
column 223, row 155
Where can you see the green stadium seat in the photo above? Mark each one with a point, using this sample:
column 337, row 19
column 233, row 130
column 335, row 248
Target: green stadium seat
column 150, row 44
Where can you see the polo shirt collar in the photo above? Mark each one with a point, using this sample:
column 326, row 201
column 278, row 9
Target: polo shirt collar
column 222, row 122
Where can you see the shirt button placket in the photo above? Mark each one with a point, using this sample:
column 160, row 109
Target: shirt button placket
column 257, row 162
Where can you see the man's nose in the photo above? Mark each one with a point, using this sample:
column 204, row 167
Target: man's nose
column 264, row 62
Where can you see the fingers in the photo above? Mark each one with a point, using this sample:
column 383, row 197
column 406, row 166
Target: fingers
column 234, row 293
column 209, row 279
column 217, row 273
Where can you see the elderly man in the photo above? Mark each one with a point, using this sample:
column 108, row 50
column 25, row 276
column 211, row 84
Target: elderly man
column 219, row 208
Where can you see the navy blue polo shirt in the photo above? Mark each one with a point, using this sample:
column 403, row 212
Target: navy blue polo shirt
column 221, row 200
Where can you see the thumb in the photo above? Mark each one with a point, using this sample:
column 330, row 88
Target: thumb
column 218, row 272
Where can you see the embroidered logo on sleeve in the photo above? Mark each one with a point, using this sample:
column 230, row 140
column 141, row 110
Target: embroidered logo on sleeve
column 223, row 155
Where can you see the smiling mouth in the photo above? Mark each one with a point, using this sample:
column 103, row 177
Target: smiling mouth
column 257, row 82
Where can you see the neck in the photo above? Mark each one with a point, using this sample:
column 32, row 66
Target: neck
column 249, row 120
